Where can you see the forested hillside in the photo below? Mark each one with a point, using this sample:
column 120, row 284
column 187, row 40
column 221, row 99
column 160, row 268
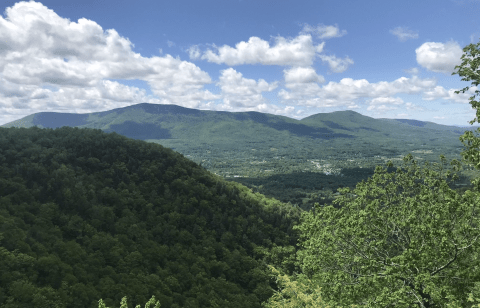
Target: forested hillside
column 86, row 215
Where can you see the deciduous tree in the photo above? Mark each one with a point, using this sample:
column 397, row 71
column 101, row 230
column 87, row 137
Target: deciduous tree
column 123, row 303
column 400, row 242
column 387, row 247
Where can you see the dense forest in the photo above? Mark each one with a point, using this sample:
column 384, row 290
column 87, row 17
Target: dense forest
column 86, row 215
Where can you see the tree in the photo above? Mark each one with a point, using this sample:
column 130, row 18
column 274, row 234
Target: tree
column 471, row 72
column 123, row 303
column 293, row 294
column 411, row 247
column 387, row 247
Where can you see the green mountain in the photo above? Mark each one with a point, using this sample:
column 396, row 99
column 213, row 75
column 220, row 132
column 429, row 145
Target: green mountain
column 86, row 215
column 297, row 161
column 150, row 122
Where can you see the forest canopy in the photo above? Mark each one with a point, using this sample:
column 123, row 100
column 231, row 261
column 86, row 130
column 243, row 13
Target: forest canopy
column 86, row 215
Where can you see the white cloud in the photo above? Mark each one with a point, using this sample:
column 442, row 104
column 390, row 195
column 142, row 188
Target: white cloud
column 302, row 75
column 379, row 95
column 240, row 92
column 439, row 57
column 194, row 52
column 298, row 51
column 439, row 92
column 264, row 107
column 324, row 32
column 39, row 48
column 336, row 65
column 386, row 100
column 404, row 34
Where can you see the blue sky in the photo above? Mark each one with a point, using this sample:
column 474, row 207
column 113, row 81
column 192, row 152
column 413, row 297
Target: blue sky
column 383, row 59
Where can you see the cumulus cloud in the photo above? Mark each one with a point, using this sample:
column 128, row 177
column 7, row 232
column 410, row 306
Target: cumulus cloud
column 440, row 92
column 242, row 92
column 439, row 57
column 40, row 49
column 298, row 51
column 343, row 93
column 302, row 75
column 386, row 100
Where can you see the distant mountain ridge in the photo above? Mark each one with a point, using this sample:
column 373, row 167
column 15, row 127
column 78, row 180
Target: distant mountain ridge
column 141, row 118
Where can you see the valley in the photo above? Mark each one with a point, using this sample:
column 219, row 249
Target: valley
column 282, row 172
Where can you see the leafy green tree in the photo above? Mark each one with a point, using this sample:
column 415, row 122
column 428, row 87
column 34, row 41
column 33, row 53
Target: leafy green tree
column 295, row 293
column 123, row 303
column 470, row 69
column 401, row 242
column 386, row 247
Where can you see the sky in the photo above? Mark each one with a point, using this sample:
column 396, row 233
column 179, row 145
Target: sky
column 382, row 59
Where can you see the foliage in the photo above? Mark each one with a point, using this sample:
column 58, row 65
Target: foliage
column 123, row 303
column 300, row 292
column 295, row 293
column 87, row 215
column 399, row 242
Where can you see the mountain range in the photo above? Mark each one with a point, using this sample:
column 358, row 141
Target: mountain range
column 154, row 121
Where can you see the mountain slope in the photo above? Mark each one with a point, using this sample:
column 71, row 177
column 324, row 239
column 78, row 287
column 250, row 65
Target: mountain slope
column 86, row 215
column 156, row 122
